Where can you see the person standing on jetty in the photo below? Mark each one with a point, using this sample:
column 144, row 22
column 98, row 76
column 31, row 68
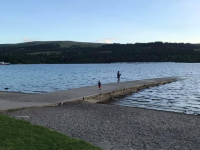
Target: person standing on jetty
column 118, row 77
column 99, row 84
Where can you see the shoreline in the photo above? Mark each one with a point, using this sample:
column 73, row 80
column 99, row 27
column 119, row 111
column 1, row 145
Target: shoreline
column 118, row 127
column 8, row 95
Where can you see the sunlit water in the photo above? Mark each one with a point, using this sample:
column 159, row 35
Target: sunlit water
column 181, row 96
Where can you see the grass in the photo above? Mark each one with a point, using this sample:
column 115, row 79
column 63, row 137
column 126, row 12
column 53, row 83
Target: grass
column 20, row 135
column 50, row 52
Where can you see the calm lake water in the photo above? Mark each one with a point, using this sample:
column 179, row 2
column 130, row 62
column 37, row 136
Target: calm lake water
column 181, row 96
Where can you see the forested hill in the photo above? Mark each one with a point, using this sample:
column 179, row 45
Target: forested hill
column 59, row 43
column 79, row 52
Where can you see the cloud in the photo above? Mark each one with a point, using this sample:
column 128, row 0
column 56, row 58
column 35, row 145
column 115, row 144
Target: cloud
column 108, row 40
column 28, row 40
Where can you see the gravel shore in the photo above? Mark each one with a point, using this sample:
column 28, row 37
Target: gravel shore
column 117, row 127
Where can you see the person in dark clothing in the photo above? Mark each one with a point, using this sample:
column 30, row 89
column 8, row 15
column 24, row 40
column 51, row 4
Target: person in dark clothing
column 99, row 84
column 118, row 77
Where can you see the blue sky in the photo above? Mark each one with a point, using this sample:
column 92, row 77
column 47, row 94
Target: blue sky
column 119, row 21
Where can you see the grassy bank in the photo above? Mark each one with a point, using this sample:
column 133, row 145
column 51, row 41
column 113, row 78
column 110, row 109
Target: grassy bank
column 17, row 134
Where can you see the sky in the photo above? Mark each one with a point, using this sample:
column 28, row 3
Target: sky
column 102, row 21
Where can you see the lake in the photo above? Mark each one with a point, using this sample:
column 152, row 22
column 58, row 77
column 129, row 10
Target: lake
column 181, row 96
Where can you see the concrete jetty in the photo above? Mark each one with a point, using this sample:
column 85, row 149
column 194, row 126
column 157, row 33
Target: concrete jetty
column 90, row 94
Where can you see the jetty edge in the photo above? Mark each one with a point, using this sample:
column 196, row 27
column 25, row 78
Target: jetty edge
column 124, row 90
column 90, row 94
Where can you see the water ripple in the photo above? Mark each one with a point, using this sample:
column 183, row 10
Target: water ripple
column 181, row 96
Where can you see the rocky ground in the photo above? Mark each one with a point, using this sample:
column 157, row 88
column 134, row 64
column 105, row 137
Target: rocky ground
column 117, row 127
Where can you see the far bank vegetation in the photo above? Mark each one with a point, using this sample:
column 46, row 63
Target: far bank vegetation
column 77, row 52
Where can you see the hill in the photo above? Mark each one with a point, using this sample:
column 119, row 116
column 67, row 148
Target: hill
column 61, row 43
column 49, row 52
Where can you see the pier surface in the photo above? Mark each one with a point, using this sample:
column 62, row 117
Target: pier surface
column 89, row 93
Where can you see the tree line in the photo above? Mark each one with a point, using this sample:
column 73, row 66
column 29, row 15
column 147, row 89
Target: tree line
column 109, row 53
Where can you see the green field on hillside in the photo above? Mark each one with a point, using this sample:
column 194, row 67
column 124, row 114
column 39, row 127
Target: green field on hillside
column 50, row 52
